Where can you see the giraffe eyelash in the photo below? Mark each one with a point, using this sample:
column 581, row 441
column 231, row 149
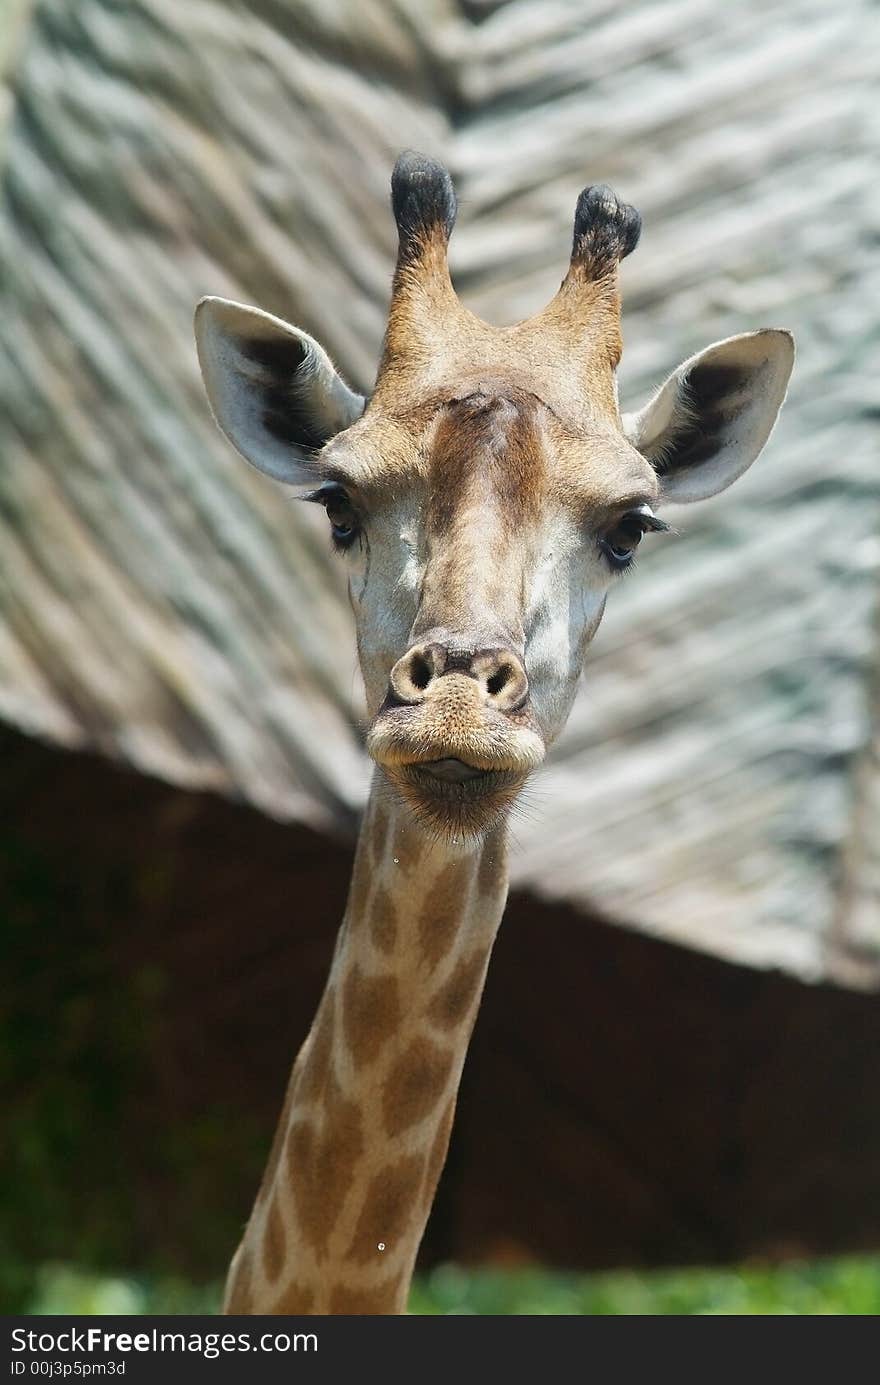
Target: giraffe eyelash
column 628, row 530
column 345, row 524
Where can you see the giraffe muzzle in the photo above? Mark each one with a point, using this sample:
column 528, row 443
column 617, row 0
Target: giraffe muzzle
column 453, row 745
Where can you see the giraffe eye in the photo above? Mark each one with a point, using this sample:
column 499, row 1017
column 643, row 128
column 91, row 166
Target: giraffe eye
column 620, row 543
column 344, row 523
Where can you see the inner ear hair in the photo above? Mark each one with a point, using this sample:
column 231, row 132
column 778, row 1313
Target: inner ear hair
column 288, row 413
column 272, row 388
column 712, row 416
column 706, row 404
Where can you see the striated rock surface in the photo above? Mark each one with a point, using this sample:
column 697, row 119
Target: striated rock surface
column 719, row 781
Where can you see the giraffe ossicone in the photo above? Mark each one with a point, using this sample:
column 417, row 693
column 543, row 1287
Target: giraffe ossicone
column 484, row 498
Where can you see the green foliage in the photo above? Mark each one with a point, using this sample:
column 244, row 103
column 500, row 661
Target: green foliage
column 70, row 1289
column 844, row 1286
column 834, row 1286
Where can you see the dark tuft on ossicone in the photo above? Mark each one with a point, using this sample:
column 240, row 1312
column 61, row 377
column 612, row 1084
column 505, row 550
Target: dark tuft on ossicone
column 605, row 230
column 422, row 198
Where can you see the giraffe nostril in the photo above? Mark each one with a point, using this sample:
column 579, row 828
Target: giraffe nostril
column 499, row 680
column 503, row 679
column 420, row 672
column 418, row 675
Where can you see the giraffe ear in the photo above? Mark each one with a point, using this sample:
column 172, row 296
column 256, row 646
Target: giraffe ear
column 706, row 425
column 273, row 389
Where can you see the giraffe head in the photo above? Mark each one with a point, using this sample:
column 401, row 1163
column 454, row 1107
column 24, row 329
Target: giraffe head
column 489, row 492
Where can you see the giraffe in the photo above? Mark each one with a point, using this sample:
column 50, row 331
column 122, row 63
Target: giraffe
column 484, row 499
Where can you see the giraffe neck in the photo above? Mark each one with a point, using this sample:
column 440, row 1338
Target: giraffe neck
column 363, row 1135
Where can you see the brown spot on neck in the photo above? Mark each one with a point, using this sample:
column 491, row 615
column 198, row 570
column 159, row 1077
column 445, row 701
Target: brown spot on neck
column 371, row 1013
column 387, row 1297
column 442, row 911
column 415, row 1084
column 274, row 1241
column 321, row 1166
column 454, row 1001
column 383, row 921
column 387, row 1215
column 293, row 1301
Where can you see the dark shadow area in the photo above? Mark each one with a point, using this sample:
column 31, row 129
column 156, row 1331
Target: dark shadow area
column 625, row 1102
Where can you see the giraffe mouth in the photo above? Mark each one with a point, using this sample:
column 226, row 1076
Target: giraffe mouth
column 451, row 770
column 454, row 798
column 457, row 763
column 453, row 739
column 455, row 781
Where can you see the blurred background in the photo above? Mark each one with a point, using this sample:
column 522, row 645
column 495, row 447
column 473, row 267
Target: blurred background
column 676, row 1063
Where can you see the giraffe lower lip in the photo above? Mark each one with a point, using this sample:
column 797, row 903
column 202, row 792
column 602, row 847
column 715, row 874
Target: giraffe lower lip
column 451, row 770
column 461, row 807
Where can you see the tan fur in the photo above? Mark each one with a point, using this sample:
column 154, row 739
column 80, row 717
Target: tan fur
column 437, row 1155
column 239, row 1295
column 313, row 1077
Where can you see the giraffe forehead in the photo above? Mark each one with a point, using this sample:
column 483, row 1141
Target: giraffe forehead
column 490, row 445
column 600, row 471
column 513, row 459
column 487, row 448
